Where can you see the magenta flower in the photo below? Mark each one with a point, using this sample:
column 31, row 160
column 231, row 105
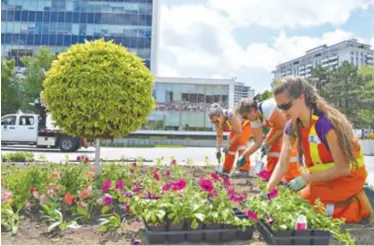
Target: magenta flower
column 180, row 185
column 119, row 185
column 107, row 199
column 252, row 215
column 215, row 176
column 166, row 186
column 206, row 185
column 128, row 194
column 272, row 194
column 137, row 188
column 126, row 206
column 132, row 171
column 167, row 173
column 155, row 175
column 264, row 175
column 226, row 180
column 106, row 186
column 173, row 162
column 135, row 241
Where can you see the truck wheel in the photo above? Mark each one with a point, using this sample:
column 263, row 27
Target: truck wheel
column 69, row 144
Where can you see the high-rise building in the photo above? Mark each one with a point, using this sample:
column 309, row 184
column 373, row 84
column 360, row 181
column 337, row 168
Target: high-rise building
column 28, row 24
column 327, row 56
column 183, row 103
column 242, row 91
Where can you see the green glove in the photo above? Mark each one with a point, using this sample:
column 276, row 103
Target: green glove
column 241, row 161
column 297, row 184
column 225, row 149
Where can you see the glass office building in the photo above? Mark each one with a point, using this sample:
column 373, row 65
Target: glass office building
column 28, row 24
column 183, row 103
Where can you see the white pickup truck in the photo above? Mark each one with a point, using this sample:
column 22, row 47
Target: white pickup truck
column 24, row 129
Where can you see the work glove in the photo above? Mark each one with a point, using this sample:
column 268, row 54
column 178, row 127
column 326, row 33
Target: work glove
column 297, row 184
column 218, row 153
column 265, row 149
column 225, row 149
column 241, row 161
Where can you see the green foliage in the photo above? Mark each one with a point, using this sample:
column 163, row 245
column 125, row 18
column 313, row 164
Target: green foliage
column 35, row 66
column 10, row 97
column 99, row 89
column 348, row 89
column 17, row 156
column 265, row 95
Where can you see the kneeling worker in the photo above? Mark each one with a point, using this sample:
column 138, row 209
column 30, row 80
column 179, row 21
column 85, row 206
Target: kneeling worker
column 240, row 132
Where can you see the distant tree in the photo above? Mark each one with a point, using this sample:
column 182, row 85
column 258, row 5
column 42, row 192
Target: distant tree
column 35, row 66
column 10, row 98
column 264, row 95
column 366, row 97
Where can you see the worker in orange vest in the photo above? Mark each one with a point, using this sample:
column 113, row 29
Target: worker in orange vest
column 240, row 132
column 332, row 153
column 266, row 114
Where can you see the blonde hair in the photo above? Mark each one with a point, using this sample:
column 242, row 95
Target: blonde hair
column 295, row 87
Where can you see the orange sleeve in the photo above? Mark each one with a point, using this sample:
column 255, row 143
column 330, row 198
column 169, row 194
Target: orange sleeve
column 278, row 120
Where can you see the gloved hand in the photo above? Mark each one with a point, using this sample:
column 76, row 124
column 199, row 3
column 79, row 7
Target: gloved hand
column 297, row 184
column 225, row 149
column 218, row 153
column 241, row 161
column 265, row 148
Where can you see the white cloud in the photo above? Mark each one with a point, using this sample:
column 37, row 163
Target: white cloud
column 289, row 13
column 201, row 39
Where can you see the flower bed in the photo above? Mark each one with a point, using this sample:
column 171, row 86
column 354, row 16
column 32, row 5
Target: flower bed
column 176, row 203
column 71, row 197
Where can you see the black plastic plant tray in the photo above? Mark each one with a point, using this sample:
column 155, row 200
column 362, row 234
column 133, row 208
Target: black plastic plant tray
column 308, row 237
column 224, row 233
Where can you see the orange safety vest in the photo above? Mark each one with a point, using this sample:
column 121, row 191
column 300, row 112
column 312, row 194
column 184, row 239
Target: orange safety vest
column 318, row 159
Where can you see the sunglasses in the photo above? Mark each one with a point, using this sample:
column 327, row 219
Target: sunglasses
column 285, row 106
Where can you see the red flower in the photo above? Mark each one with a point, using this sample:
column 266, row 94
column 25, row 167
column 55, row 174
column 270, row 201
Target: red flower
column 173, row 162
column 132, row 171
column 206, row 185
column 78, row 158
column 264, row 175
column 134, row 164
column 119, row 185
column 69, row 198
column 155, row 175
column 86, row 160
column 33, row 189
column 215, row 176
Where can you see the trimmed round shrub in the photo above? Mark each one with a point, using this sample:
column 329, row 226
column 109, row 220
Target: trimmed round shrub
column 98, row 89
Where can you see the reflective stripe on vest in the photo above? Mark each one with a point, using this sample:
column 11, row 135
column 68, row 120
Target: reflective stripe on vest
column 318, row 166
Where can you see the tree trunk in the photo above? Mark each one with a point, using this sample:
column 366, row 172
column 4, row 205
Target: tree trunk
column 97, row 157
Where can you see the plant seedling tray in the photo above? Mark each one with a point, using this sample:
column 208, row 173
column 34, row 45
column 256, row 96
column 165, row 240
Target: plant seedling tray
column 307, row 237
column 209, row 233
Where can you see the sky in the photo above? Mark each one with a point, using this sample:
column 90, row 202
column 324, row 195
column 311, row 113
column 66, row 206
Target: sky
column 246, row 39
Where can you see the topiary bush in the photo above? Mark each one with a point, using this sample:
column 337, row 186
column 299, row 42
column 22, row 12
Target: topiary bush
column 98, row 89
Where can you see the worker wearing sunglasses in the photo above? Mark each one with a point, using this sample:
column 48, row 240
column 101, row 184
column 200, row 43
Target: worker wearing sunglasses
column 329, row 150
column 240, row 132
column 266, row 114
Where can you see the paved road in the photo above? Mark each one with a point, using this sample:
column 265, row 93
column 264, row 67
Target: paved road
column 197, row 155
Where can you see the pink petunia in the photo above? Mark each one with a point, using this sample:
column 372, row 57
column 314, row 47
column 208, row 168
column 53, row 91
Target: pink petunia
column 180, row 185
column 106, row 186
column 264, row 175
column 226, row 181
column 137, row 188
column 120, row 184
column 155, row 175
column 215, row 176
column 272, row 194
column 167, row 186
column 252, row 215
column 107, row 199
column 206, row 185
column 167, row 173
